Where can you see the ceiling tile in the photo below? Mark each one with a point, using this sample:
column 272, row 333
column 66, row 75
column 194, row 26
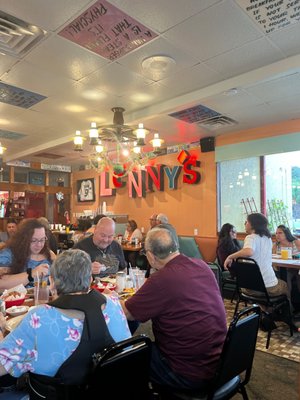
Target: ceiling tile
column 65, row 59
column 287, row 39
column 159, row 47
column 37, row 12
column 246, row 58
column 214, row 31
column 162, row 15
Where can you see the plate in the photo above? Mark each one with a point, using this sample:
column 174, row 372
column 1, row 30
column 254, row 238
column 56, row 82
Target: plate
column 17, row 302
column 107, row 285
column 17, row 310
column 276, row 256
column 108, row 280
column 12, row 323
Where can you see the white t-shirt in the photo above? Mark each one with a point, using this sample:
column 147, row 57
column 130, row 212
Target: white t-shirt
column 135, row 234
column 262, row 254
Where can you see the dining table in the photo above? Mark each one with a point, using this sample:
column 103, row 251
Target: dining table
column 283, row 263
column 131, row 247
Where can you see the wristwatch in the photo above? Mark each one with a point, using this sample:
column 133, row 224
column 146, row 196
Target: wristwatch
column 29, row 273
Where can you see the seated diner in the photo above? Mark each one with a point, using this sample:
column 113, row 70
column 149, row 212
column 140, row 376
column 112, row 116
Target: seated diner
column 25, row 255
column 57, row 340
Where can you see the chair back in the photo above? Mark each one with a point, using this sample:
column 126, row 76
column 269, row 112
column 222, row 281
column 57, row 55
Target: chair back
column 248, row 275
column 239, row 347
column 123, row 369
column 189, row 247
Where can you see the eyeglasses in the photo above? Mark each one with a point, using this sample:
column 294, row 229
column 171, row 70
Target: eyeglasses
column 144, row 252
column 36, row 241
column 152, row 219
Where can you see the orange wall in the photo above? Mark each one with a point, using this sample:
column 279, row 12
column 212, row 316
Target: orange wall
column 188, row 207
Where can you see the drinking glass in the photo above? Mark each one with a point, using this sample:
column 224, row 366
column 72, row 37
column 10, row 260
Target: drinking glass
column 41, row 290
column 284, row 254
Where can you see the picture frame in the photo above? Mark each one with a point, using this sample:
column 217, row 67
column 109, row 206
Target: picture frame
column 85, row 190
column 36, row 178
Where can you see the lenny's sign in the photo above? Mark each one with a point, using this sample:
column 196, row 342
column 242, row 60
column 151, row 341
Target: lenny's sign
column 152, row 178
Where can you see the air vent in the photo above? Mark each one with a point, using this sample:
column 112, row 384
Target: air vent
column 218, row 122
column 202, row 115
column 11, row 135
column 18, row 97
column 195, row 114
column 48, row 155
column 17, row 37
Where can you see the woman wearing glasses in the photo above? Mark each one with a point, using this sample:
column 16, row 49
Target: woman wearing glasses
column 25, row 255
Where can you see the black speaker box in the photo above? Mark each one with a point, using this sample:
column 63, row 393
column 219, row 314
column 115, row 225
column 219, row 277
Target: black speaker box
column 207, row 144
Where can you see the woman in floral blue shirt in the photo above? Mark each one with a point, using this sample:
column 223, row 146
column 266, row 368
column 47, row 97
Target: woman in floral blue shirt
column 49, row 335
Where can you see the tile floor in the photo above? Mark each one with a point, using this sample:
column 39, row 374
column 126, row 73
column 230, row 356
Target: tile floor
column 281, row 344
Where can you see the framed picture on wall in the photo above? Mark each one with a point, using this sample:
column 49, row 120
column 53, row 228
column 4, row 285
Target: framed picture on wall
column 36, row 178
column 86, row 190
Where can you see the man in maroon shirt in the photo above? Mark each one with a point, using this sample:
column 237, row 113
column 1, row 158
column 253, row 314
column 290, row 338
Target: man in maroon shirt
column 183, row 301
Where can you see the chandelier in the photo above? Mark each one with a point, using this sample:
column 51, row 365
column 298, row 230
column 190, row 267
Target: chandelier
column 2, row 149
column 118, row 147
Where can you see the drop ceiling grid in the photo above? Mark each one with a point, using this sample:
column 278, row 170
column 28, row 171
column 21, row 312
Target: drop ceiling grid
column 214, row 31
column 64, row 58
column 245, row 58
column 162, row 15
column 49, row 18
column 159, row 46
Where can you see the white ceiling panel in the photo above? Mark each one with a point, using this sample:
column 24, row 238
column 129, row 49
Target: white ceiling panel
column 158, row 47
column 216, row 47
column 246, row 58
column 287, row 39
column 117, row 80
column 38, row 80
column 161, row 15
column 200, row 34
column 65, row 59
column 191, row 79
column 284, row 87
column 39, row 13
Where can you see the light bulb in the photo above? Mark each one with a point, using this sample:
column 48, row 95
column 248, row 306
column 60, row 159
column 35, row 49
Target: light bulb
column 141, row 132
column 78, row 141
column 93, row 134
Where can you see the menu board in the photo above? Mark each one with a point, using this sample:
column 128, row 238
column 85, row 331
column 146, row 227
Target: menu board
column 108, row 31
column 272, row 15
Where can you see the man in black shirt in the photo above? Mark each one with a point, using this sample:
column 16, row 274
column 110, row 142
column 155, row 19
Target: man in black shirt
column 106, row 253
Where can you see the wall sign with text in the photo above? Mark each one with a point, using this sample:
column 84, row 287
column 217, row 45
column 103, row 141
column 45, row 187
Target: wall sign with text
column 153, row 177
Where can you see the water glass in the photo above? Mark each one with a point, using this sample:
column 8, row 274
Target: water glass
column 120, row 281
column 139, row 278
column 41, row 290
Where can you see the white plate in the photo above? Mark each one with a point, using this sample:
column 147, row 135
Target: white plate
column 17, row 310
column 12, row 323
column 276, row 256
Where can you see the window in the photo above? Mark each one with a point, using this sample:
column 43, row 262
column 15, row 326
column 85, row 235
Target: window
column 241, row 192
column 282, row 174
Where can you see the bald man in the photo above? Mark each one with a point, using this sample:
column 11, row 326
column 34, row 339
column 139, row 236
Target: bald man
column 186, row 325
column 106, row 253
column 153, row 221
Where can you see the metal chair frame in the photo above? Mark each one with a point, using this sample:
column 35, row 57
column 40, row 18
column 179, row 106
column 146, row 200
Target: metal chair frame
column 249, row 277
